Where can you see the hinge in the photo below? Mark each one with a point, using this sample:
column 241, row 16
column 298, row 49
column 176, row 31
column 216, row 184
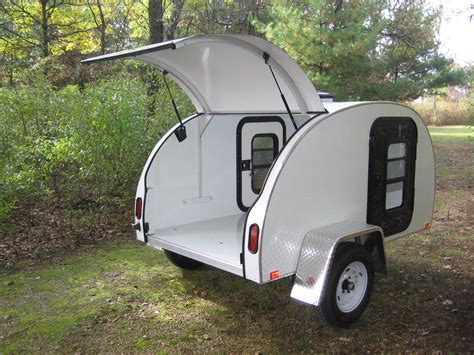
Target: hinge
column 241, row 258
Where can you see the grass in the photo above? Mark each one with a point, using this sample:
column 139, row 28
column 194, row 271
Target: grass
column 125, row 297
column 453, row 147
column 453, row 135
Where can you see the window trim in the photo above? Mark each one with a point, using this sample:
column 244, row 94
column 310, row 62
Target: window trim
column 384, row 131
column 274, row 138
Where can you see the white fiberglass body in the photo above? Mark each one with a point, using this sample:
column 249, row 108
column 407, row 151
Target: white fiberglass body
column 353, row 167
column 320, row 177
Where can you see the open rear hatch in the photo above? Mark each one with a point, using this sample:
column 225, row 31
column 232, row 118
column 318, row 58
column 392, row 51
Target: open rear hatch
column 221, row 74
column 227, row 73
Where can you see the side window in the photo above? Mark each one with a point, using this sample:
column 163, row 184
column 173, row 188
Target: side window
column 264, row 151
column 396, row 175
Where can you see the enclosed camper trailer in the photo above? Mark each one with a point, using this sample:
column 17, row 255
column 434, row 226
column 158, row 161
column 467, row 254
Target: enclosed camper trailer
column 267, row 182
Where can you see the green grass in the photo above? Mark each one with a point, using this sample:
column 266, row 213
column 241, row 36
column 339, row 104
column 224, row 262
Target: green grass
column 48, row 302
column 123, row 297
column 453, row 153
column 454, row 135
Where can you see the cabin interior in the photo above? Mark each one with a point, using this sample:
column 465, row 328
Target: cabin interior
column 199, row 190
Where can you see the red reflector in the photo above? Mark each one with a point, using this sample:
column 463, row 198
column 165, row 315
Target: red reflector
column 253, row 238
column 138, row 208
column 274, row 275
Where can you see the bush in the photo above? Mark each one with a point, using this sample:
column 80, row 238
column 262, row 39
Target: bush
column 77, row 145
column 448, row 112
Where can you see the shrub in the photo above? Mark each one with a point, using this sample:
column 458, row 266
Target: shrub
column 447, row 112
column 75, row 145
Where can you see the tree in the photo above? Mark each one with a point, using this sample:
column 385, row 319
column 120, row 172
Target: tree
column 174, row 18
column 100, row 23
column 155, row 20
column 234, row 16
column 43, row 27
column 363, row 49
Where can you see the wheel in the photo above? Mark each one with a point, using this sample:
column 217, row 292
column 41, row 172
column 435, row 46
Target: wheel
column 349, row 286
column 182, row 261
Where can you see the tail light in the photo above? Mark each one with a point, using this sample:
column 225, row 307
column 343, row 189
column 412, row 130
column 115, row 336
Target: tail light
column 253, row 238
column 138, row 208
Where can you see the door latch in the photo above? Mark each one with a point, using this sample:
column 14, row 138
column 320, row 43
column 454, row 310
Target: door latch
column 245, row 165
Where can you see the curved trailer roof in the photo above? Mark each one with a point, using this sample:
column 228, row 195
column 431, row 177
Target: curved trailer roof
column 227, row 73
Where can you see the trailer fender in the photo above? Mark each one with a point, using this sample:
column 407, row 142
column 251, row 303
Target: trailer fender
column 317, row 254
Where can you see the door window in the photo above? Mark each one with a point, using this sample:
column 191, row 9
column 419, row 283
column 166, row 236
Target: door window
column 396, row 175
column 264, row 151
column 391, row 185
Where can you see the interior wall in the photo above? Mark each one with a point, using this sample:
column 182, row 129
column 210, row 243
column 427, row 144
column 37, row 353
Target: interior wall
column 174, row 196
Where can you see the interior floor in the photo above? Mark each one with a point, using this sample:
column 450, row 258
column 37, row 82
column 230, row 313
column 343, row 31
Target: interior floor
column 216, row 242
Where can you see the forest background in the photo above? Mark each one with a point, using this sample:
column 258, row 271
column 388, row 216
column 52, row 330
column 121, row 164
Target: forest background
column 73, row 138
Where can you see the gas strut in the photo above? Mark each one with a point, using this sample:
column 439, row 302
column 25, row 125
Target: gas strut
column 180, row 132
column 266, row 56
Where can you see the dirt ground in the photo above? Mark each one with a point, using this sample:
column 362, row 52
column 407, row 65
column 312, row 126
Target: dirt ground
column 68, row 285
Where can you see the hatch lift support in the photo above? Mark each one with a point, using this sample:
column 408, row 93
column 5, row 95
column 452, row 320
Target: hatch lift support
column 180, row 132
column 266, row 56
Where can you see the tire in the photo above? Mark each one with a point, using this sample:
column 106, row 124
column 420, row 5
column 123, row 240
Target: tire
column 349, row 286
column 182, row 261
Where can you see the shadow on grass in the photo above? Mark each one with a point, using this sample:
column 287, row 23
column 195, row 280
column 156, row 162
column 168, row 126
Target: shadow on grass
column 415, row 306
column 130, row 298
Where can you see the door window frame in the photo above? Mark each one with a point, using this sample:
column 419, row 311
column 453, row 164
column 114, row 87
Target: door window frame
column 241, row 124
column 397, row 219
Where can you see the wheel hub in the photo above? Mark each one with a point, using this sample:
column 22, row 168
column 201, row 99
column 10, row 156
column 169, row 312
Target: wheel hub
column 347, row 286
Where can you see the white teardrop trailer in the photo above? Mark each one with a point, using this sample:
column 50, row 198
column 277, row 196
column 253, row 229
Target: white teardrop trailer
column 268, row 184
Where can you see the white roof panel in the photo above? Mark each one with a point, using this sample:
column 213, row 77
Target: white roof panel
column 227, row 73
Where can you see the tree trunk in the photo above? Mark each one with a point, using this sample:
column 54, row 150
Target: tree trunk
column 10, row 77
column 44, row 28
column 103, row 28
column 100, row 24
column 175, row 17
column 155, row 20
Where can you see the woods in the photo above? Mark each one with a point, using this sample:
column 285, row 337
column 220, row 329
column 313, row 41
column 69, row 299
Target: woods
column 373, row 50
column 77, row 134
column 74, row 139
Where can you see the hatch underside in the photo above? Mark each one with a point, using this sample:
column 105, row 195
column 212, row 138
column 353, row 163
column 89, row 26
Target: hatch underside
column 227, row 73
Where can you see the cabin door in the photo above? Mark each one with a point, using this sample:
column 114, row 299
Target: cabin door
column 259, row 139
column 392, row 159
